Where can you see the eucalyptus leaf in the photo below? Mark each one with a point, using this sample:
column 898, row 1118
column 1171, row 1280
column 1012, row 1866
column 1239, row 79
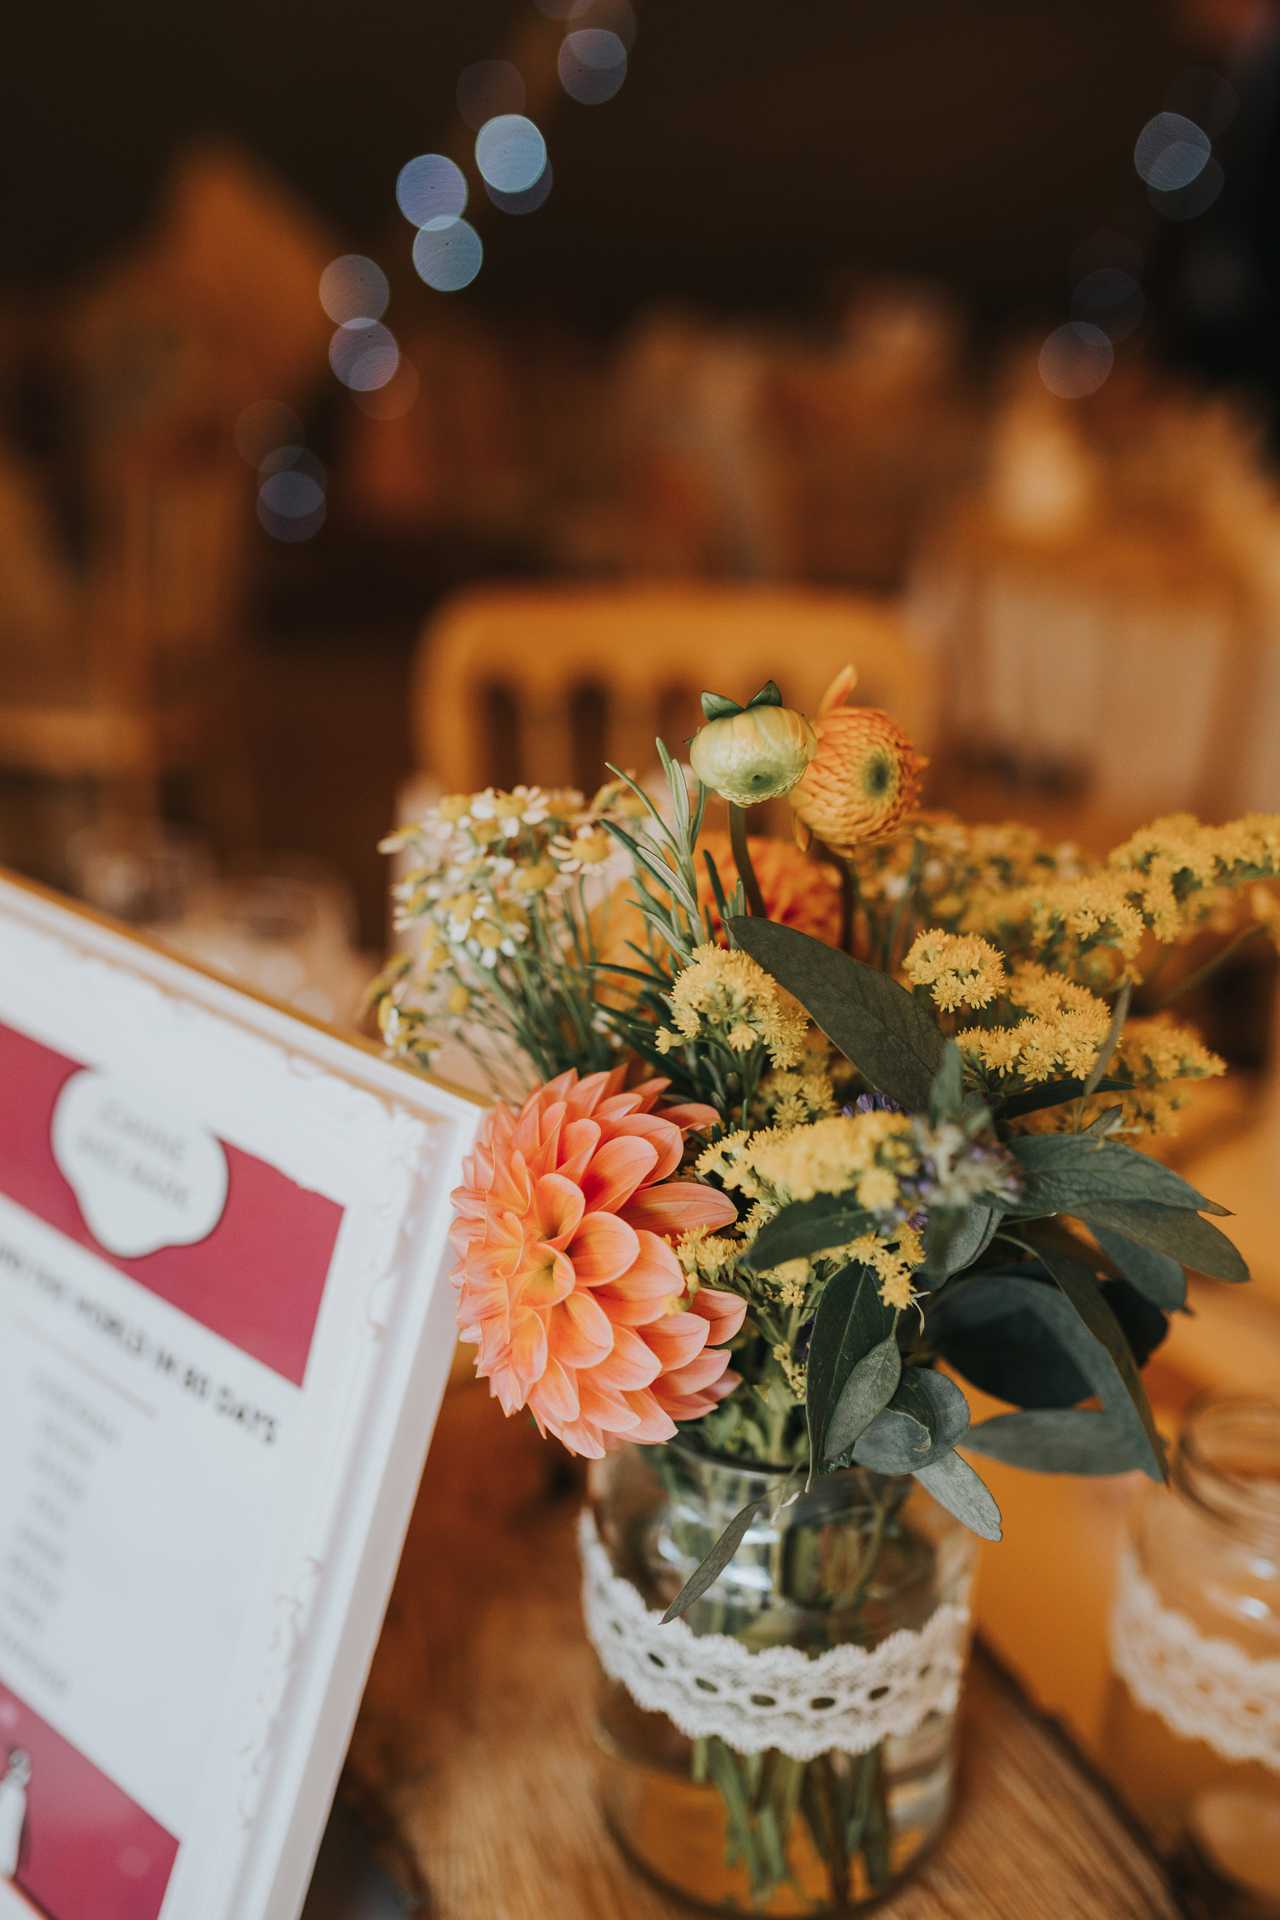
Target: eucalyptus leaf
column 851, row 1320
column 710, row 1569
column 923, row 1421
column 1112, row 1040
column 1054, row 1440
column 807, row 1227
column 1157, row 1275
column 1062, row 1169
column 1053, row 1093
column 989, row 1331
column 1085, row 1297
column 955, row 1486
column 954, row 1239
column 865, row 1394
column 946, row 1095
column 875, row 1023
column 1183, row 1235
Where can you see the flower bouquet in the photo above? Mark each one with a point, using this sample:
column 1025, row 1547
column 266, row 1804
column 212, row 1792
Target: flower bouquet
column 797, row 1139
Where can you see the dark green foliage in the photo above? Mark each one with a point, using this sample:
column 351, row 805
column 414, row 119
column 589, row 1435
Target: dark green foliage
column 851, row 1321
column 925, row 1418
column 878, row 1025
column 1054, row 1440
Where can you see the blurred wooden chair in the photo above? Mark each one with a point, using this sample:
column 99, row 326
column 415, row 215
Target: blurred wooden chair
column 546, row 684
column 147, row 687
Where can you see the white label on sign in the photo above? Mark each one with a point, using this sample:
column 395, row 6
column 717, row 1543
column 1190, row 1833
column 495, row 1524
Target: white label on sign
column 145, row 1176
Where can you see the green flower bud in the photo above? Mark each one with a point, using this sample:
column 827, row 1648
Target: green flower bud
column 753, row 755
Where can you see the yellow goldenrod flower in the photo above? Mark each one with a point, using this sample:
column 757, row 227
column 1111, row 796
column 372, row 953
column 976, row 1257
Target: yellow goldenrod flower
column 729, row 997
column 459, row 1000
column 960, row 970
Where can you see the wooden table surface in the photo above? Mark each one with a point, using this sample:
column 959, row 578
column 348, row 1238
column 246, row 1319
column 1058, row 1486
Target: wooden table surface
column 474, row 1743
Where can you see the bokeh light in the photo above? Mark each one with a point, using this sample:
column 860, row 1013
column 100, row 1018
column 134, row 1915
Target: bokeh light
column 363, row 354
column 296, row 460
column 1205, row 97
column 617, row 15
column 1184, row 203
column 510, row 153
column 431, row 188
column 1075, row 360
column 448, row 254
column 1170, row 152
column 291, row 506
column 1106, row 248
column 263, row 426
column 487, row 88
column 528, row 201
column 353, row 288
column 393, row 400
column 1111, row 299
column 592, row 65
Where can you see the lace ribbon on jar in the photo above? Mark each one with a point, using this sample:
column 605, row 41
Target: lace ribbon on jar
column 848, row 1697
column 1209, row 1690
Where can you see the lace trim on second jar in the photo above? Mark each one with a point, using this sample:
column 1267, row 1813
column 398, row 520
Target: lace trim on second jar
column 1209, row 1690
column 848, row 1697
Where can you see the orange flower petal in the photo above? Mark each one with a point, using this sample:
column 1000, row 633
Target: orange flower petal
column 680, row 1206
column 616, row 1170
column 602, row 1249
column 579, row 1331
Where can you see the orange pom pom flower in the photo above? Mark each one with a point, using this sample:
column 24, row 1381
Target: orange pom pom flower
column 864, row 777
column 566, row 1279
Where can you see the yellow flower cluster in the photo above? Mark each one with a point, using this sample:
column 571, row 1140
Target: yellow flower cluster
column 729, row 999
column 707, row 1258
column 960, row 970
column 865, row 1152
column 792, row 1097
column 1158, row 1059
column 1067, row 1025
column 1176, row 866
column 893, row 1260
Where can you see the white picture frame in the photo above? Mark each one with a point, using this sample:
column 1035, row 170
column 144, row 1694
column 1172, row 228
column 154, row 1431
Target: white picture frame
column 226, row 1713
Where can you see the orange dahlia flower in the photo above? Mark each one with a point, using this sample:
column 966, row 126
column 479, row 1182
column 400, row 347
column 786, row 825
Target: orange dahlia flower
column 566, row 1278
column 797, row 892
column 864, row 777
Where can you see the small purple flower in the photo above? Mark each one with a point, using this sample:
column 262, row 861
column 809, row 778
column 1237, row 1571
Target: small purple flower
column 804, row 1335
column 871, row 1103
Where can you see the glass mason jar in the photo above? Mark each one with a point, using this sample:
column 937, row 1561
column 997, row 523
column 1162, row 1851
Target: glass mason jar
column 1193, row 1733
column 767, row 1812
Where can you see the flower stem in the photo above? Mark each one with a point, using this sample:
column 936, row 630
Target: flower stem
column 742, row 860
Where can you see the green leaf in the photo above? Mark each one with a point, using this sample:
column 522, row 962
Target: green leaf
column 1062, row 1168
column 1052, row 1093
column 1112, row 1041
column 718, row 706
column 954, row 1238
column 1095, row 1316
column 865, row 1394
column 710, row 1569
column 851, row 1320
column 874, row 1022
column 1054, row 1440
column 1156, row 1275
column 955, row 1486
column 989, row 1331
column 1183, row 1235
column 807, row 1227
column 768, row 696
column 946, row 1095
column 923, row 1421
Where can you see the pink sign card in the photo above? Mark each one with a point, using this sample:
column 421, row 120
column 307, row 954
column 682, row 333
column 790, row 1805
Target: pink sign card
column 225, row 1325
